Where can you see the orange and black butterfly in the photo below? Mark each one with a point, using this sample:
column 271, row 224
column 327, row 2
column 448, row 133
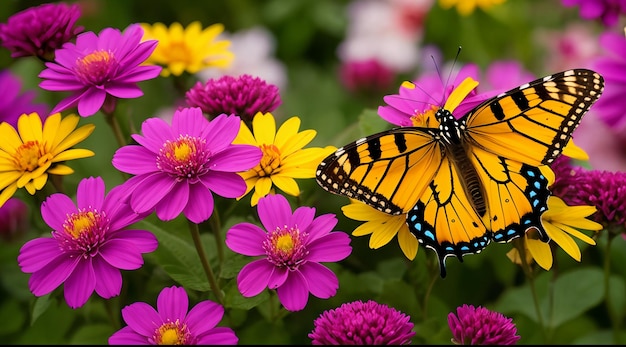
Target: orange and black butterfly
column 468, row 181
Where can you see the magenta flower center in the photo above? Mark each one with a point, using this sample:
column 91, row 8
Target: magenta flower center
column 83, row 232
column 96, row 68
column 185, row 158
column 286, row 247
column 270, row 162
column 173, row 333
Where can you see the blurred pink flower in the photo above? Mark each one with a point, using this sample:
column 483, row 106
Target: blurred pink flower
column 368, row 77
column 89, row 245
column 99, row 69
column 606, row 11
column 292, row 248
column 13, row 104
column 40, row 30
column 14, row 219
column 172, row 323
column 572, row 47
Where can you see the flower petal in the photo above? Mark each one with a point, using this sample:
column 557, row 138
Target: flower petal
column 253, row 277
column 294, row 293
column 322, row 282
column 246, row 238
column 173, row 303
column 108, row 278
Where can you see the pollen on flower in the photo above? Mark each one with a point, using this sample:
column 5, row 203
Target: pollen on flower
column 425, row 119
column 286, row 246
column 27, row 156
column 83, row 232
column 96, row 67
column 172, row 333
column 270, row 162
column 187, row 157
column 81, row 223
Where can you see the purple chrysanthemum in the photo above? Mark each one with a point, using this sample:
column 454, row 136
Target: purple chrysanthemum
column 612, row 66
column 480, row 326
column 99, row 69
column 89, row 245
column 242, row 96
column 40, row 30
column 14, row 219
column 172, row 323
column 177, row 167
column 368, row 77
column 358, row 323
column 291, row 248
column 13, row 104
column 608, row 11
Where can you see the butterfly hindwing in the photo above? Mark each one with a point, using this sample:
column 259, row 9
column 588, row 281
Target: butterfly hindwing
column 532, row 123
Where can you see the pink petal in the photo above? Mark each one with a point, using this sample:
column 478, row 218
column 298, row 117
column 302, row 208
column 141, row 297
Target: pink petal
column 247, row 239
column 127, row 336
column 139, row 74
column 55, row 208
column 173, row 303
column 302, row 217
column 108, row 278
column 225, row 184
column 236, row 158
column 320, row 226
column 134, row 160
column 49, row 277
column 204, row 316
column 142, row 318
column 150, row 191
column 253, row 277
column 172, row 206
column 124, row 90
column 219, row 336
column 155, row 133
column 200, row 205
column 322, row 282
column 274, row 211
column 330, row 248
column 278, row 277
column 121, row 254
column 37, row 253
column 80, row 285
column 68, row 102
column 90, row 193
column 190, row 121
column 143, row 240
column 221, row 132
column 294, row 293
column 91, row 102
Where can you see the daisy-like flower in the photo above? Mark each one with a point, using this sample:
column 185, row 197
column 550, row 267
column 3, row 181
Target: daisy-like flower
column 99, row 69
column 480, row 326
column 284, row 155
column 33, row 151
column 13, row 104
column 14, row 219
column 178, row 167
column 368, row 77
column 291, row 250
column 359, row 323
column 606, row 11
column 89, row 245
column 172, row 323
column 242, row 96
column 466, row 7
column 189, row 49
column 382, row 227
column 40, row 30
column 612, row 66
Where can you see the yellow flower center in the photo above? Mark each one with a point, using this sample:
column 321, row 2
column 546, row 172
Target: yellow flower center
column 172, row 333
column 185, row 158
column 284, row 243
column 178, row 52
column 81, row 223
column 286, row 247
column 96, row 67
column 28, row 156
column 270, row 163
column 425, row 119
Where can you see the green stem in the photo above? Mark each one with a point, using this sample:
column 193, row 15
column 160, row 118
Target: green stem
column 195, row 235
column 111, row 313
column 519, row 244
column 117, row 130
column 434, row 275
column 216, row 226
column 607, row 290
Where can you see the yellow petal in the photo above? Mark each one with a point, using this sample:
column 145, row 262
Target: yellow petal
column 564, row 241
column 7, row 193
column 286, row 184
column 408, row 242
column 263, row 186
column 245, row 135
column 11, row 140
column 7, row 178
column 460, row 93
column 573, row 151
column 61, row 170
column 30, row 127
column 264, row 127
column 386, row 232
column 541, row 252
column 75, row 153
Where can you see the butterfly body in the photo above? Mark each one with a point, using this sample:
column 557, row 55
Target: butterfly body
column 472, row 180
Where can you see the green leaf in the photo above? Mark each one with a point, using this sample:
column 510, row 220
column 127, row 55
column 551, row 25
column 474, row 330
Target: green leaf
column 41, row 305
column 234, row 299
column 232, row 266
column 96, row 334
column 617, row 297
column 575, row 292
column 13, row 315
column 370, row 122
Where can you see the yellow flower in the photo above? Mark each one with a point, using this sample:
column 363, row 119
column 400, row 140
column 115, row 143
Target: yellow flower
column 466, row 7
column 30, row 153
column 284, row 156
column 382, row 226
column 561, row 222
column 190, row 49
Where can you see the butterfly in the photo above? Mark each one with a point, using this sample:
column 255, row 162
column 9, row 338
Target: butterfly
column 466, row 182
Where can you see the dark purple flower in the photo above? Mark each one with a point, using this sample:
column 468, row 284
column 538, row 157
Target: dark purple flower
column 14, row 219
column 40, row 30
column 13, row 104
column 608, row 11
column 243, row 96
column 612, row 66
column 366, row 76
column 358, row 323
column 480, row 326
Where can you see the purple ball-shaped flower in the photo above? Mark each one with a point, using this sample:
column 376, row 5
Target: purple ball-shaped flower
column 480, row 326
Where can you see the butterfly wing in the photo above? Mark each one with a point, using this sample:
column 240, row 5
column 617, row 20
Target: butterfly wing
column 388, row 170
column 532, row 123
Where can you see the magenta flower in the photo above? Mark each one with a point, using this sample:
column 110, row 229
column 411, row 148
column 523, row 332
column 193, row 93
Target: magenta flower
column 40, row 30
column 358, row 323
column 612, row 66
column 480, row 326
column 13, row 104
column 291, row 248
column 89, row 245
column 99, row 69
column 177, row 167
column 242, row 96
column 14, row 219
column 171, row 324
column 368, row 77
column 607, row 11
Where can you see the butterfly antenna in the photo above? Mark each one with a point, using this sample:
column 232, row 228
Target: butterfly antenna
column 445, row 86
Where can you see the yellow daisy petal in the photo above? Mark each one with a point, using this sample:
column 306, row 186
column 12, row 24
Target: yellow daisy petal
column 564, row 241
column 244, row 136
column 540, row 251
column 11, row 140
column 29, row 127
column 7, row 193
column 72, row 154
column 61, row 170
column 408, row 242
column 264, row 127
column 386, row 231
column 263, row 186
column 286, row 184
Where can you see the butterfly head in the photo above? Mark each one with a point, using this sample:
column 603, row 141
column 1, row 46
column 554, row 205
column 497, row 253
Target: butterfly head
column 450, row 128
